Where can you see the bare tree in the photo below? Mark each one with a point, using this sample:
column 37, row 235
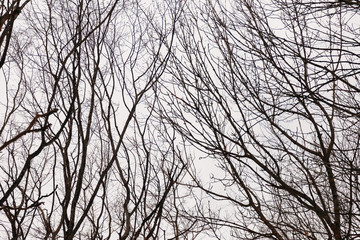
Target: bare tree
column 80, row 156
column 9, row 11
column 179, row 120
column 270, row 90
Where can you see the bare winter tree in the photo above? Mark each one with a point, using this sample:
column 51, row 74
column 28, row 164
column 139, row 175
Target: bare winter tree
column 80, row 157
column 9, row 11
column 270, row 90
column 174, row 120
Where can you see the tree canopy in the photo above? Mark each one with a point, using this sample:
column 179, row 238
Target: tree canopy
column 235, row 119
